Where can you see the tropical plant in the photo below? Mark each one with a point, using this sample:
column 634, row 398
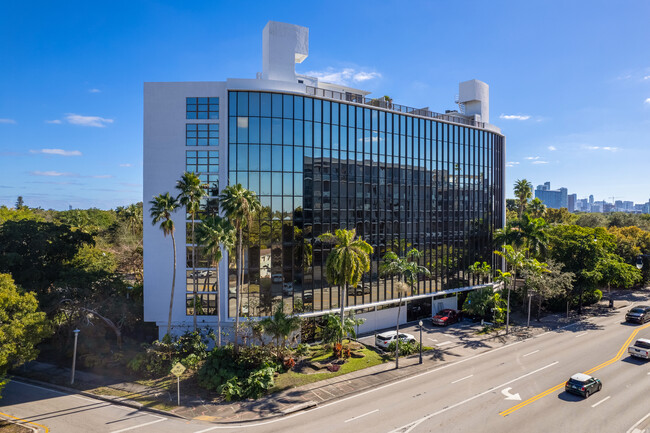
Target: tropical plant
column 280, row 326
column 537, row 208
column 191, row 193
column 346, row 263
column 516, row 260
column 239, row 205
column 408, row 272
column 332, row 331
column 482, row 270
column 215, row 234
column 406, row 348
column 510, row 234
column 534, row 234
column 162, row 207
column 524, row 191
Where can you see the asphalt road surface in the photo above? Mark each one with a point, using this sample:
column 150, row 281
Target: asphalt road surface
column 517, row 387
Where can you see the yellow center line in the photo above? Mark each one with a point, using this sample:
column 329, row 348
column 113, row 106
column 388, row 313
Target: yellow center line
column 45, row 429
column 618, row 356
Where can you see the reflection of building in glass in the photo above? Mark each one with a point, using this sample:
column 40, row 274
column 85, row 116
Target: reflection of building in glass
column 322, row 157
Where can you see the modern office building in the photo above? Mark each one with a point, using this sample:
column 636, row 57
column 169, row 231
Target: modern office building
column 555, row 199
column 571, row 202
column 320, row 156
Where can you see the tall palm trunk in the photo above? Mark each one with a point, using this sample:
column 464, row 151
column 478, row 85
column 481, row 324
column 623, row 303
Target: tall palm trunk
column 399, row 311
column 237, row 289
column 218, row 307
column 194, row 279
column 171, row 299
column 343, row 297
column 514, row 282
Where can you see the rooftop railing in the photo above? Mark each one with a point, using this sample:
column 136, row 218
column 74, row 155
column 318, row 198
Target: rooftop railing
column 390, row 105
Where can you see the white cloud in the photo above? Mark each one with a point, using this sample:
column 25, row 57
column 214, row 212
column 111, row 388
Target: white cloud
column 56, row 122
column 514, row 116
column 126, row 165
column 647, row 101
column 102, row 176
column 512, row 163
column 608, row 148
column 344, row 77
column 94, row 91
column 552, row 148
column 647, row 77
column 60, row 152
column 95, row 121
column 51, row 173
column 532, row 158
column 7, row 121
column 540, row 162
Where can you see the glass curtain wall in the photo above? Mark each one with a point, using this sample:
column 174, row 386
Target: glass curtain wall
column 401, row 181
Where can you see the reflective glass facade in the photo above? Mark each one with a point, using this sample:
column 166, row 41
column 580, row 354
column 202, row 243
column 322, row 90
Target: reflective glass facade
column 401, row 181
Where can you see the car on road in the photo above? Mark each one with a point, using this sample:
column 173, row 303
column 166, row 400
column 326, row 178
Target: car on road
column 446, row 317
column 383, row 340
column 640, row 349
column 277, row 278
column 287, row 289
column 361, row 289
column 583, row 384
column 640, row 314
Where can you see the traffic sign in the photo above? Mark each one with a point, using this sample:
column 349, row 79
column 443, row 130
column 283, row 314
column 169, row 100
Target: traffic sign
column 178, row 369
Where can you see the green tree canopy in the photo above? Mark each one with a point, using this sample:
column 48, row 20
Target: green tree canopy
column 22, row 327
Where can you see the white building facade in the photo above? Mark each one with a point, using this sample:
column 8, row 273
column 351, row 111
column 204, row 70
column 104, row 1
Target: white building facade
column 320, row 156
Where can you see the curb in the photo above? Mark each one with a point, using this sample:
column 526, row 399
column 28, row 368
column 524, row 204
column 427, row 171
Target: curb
column 107, row 398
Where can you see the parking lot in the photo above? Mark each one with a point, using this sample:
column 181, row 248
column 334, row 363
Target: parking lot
column 461, row 336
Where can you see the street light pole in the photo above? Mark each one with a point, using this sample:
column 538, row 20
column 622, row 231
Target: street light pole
column 74, row 355
column 530, row 296
column 420, row 341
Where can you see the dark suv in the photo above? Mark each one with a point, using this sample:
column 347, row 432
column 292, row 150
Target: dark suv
column 640, row 314
column 583, row 384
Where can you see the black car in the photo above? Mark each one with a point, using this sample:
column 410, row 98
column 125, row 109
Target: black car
column 640, row 314
column 583, row 384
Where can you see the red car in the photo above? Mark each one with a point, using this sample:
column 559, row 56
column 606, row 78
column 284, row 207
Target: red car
column 446, row 317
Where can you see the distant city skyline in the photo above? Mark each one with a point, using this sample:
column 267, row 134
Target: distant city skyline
column 71, row 87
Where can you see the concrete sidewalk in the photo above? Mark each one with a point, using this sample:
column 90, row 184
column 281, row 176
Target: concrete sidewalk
column 465, row 343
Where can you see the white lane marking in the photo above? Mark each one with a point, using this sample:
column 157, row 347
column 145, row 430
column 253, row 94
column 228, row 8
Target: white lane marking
column 321, row 398
column 581, row 335
column 433, row 339
column 462, row 378
column 634, row 429
column 409, row 427
column 509, row 396
column 139, row 425
column 531, row 353
column 102, row 402
column 601, row 401
column 357, row 417
column 444, row 343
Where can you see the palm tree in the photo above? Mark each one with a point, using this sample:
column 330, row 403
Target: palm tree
column 533, row 233
column 537, row 208
column 503, row 278
column 214, row 234
column 162, row 207
column 346, row 263
column 516, row 259
column 482, row 270
column 523, row 191
column 408, row 271
column 280, row 326
column 509, row 235
column 239, row 205
column 191, row 193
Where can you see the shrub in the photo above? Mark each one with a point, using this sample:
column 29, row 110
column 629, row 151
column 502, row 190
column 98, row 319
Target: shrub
column 258, row 382
column 337, row 350
column 302, row 349
column 289, row 363
column 591, row 297
column 231, row 390
column 405, row 348
column 219, row 368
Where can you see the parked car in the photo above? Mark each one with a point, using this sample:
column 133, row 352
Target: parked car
column 361, row 289
column 583, row 384
column 640, row 349
column 287, row 289
column 640, row 314
column 382, row 341
column 446, row 317
column 277, row 278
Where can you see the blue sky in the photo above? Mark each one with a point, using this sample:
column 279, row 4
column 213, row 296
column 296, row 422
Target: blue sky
column 569, row 81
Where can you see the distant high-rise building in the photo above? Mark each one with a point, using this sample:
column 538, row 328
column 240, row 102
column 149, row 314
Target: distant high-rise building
column 591, row 199
column 572, row 199
column 555, row 199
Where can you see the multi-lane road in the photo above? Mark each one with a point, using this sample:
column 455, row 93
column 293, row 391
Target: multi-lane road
column 515, row 387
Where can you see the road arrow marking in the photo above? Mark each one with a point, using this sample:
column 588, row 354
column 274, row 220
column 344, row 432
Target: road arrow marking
column 510, row 396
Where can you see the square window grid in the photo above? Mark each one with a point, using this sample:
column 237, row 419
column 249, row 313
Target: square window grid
column 202, row 108
column 202, row 134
